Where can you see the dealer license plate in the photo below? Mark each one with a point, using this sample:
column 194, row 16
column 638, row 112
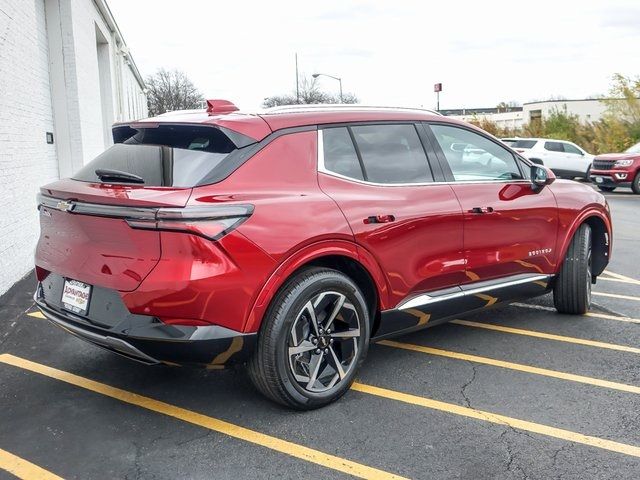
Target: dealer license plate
column 76, row 296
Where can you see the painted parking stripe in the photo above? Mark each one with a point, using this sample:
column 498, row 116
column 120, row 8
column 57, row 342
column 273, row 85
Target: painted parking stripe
column 36, row 314
column 513, row 366
column 622, row 277
column 619, row 280
column 605, row 316
column 230, row 429
column 511, row 422
column 616, row 295
column 547, row 336
column 21, row 468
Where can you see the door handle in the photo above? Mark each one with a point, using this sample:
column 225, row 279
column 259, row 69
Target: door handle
column 481, row 210
column 379, row 219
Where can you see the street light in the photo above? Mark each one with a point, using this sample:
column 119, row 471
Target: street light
column 316, row 75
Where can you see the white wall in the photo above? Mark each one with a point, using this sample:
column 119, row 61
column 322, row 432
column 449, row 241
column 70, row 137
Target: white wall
column 26, row 160
column 62, row 70
column 586, row 110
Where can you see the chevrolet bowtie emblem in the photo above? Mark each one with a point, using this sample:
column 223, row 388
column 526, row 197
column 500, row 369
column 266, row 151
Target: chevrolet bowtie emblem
column 65, row 206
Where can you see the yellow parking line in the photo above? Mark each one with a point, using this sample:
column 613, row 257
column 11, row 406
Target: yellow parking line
column 617, row 295
column 230, row 429
column 513, row 366
column 21, row 468
column 588, row 314
column 500, row 419
column 547, row 336
column 611, row 279
column 622, row 277
column 36, row 314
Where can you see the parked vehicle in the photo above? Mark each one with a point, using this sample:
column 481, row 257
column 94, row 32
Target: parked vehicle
column 290, row 239
column 566, row 159
column 613, row 170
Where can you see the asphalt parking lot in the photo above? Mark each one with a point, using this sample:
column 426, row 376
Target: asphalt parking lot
column 514, row 392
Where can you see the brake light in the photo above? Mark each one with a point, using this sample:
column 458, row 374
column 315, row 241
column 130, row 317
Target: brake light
column 211, row 222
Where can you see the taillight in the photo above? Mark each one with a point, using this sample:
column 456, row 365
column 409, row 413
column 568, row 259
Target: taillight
column 212, row 222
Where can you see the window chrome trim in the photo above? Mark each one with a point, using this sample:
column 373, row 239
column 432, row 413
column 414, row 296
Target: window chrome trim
column 426, row 299
column 323, row 169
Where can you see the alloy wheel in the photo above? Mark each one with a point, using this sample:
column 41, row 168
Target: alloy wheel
column 323, row 342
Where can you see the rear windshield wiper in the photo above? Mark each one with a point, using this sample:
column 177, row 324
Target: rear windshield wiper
column 116, row 176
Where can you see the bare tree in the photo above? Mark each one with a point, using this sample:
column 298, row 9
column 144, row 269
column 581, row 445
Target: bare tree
column 310, row 93
column 171, row 90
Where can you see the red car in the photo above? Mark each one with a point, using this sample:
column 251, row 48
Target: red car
column 292, row 238
column 613, row 170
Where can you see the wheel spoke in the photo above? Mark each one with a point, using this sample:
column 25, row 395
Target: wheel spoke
column 305, row 346
column 336, row 310
column 312, row 316
column 337, row 364
column 351, row 333
column 314, row 369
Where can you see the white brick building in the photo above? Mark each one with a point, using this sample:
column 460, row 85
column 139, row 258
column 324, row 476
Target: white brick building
column 67, row 75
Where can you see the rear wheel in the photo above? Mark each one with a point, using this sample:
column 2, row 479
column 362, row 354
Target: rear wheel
column 314, row 338
column 606, row 189
column 572, row 289
column 635, row 186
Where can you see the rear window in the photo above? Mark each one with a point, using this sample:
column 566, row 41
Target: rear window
column 167, row 155
column 523, row 144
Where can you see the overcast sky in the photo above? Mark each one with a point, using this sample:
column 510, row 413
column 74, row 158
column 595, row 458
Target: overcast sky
column 389, row 52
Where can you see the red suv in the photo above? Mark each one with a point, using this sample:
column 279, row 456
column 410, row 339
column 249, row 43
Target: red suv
column 291, row 238
column 613, row 170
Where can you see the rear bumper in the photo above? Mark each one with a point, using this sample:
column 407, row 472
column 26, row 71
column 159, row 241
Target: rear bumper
column 147, row 340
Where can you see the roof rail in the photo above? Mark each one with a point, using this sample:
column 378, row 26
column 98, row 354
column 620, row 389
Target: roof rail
column 339, row 106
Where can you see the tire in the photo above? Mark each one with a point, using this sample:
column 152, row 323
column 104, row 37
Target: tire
column 572, row 289
column 606, row 189
column 296, row 361
column 635, row 185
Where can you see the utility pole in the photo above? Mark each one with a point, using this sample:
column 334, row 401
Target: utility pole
column 297, row 82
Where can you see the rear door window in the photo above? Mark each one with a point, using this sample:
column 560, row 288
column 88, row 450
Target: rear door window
column 340, row 154
column 392, row 154
column 166, row 155
column 553, row 146
column 523, row 144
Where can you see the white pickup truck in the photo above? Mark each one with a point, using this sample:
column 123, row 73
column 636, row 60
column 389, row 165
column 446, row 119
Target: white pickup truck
column 566, row 159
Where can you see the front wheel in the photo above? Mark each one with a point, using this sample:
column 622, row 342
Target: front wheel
column 635, row 185
column 572, row 289
column 313, row 339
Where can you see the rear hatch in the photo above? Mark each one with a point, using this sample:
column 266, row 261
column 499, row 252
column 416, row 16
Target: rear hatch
column 86, row 231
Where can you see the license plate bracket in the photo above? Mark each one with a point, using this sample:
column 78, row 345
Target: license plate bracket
column 76, row 296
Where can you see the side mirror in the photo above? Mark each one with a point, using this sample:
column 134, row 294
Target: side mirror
column 541, row 176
